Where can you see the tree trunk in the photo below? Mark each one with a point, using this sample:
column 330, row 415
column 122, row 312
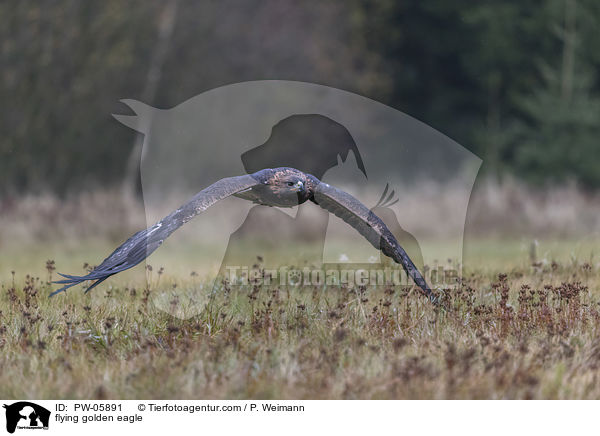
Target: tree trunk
column 166, row 25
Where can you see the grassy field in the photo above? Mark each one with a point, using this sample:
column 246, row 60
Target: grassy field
column 513, row 329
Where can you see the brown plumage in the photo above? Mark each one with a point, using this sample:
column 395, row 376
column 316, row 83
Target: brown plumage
column 282, row 187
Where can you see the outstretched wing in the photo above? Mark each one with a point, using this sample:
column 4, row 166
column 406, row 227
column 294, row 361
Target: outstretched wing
column 353, row 212
column 143, row 243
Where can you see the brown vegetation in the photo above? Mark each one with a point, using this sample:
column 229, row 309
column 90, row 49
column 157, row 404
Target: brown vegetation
column 530, row 334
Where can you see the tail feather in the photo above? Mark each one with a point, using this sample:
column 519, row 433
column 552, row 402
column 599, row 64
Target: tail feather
column 67, row 286
column 96, row 283
column 76, row 280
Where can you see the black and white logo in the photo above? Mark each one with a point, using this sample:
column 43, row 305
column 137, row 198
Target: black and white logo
column 26, row 415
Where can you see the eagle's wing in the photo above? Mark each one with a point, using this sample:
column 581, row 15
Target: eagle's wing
column 353, row 212
column 143, row 243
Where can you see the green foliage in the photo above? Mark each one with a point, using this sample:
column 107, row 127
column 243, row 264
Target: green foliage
column 62, row 66
column 560, row 136
column 515, row 82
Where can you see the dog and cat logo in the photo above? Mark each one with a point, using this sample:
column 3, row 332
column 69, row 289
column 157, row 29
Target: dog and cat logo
column 26, row 415
column 358, row 145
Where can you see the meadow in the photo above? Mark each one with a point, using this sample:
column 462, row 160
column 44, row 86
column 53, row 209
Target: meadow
column 517, row 327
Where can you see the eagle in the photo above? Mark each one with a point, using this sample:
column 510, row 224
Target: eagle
column 281, row 187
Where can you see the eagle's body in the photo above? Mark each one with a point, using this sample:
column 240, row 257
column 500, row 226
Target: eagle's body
column 281, row 187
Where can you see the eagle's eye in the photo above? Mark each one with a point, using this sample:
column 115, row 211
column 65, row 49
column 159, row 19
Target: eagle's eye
column 290, row 183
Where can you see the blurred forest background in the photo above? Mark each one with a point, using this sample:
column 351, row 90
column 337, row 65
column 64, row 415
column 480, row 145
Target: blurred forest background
column 517, row 83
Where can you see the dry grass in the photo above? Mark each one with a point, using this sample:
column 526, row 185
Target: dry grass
column 522, row 325
column 512, row 208
column 103, row 214
column 509, row 209
column 530, row 334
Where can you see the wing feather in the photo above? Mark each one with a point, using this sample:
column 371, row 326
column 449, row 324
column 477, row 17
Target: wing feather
column 369, row 225
column 143, row 243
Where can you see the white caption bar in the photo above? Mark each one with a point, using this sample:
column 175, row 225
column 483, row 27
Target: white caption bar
column 298, row 417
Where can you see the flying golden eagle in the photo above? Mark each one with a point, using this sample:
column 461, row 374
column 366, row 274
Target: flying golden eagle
column 282, row 187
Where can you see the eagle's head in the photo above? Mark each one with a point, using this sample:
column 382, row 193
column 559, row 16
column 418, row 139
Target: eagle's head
column 288, row 184
column 283, row 187
column 287, row 181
